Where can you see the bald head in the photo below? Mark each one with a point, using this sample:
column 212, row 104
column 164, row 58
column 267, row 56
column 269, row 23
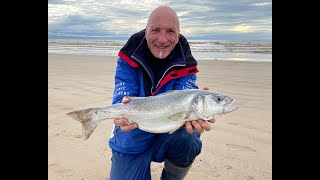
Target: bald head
column 162, row 31
column 164, row 12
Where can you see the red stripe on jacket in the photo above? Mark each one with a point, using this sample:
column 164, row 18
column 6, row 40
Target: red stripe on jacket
column 176, row 74
column 128, row 60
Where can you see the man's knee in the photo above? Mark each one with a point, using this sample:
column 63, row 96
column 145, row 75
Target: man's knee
column 192, row 143
column 185, row 148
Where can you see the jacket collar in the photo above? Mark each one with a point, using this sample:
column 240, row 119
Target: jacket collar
column 136, row 46
column 142, row 55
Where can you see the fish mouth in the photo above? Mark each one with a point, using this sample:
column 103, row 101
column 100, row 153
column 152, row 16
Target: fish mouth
column 229, row 106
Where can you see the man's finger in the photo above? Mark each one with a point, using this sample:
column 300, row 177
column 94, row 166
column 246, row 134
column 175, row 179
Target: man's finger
column 129, row 127
column 189, row 128
column 120, row 121
column 212, row 120
column 197, row 125
column 205, row 88
column 206, row 126
column 125, row 99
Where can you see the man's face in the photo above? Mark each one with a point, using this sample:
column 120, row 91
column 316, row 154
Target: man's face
column 162, row 34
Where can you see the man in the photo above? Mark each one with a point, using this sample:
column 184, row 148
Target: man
column 154, row 60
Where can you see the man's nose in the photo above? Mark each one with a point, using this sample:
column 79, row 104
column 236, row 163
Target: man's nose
column 162, row 38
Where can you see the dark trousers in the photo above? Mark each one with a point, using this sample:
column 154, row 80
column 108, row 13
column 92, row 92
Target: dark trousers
column 180, row 148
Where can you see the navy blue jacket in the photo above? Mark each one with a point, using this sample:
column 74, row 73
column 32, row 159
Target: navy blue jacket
column 134, row 77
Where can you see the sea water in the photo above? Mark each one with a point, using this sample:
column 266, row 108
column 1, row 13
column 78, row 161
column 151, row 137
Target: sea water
column 258, row 50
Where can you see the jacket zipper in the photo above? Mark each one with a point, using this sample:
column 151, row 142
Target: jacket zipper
column 150, row 74
column 166, row 72
column 146, row 70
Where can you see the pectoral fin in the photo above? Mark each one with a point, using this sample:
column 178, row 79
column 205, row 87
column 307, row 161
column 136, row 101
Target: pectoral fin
column 179, row 120
column 180, row 116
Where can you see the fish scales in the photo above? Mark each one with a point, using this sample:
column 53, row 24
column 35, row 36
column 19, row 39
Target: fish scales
column 163, row 113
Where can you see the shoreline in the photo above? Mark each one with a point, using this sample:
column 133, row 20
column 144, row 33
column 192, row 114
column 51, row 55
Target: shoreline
column 108, row 56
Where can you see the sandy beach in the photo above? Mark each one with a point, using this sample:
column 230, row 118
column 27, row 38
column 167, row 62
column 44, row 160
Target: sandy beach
column 239, row 146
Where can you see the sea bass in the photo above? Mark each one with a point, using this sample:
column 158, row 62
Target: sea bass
column 164, row 113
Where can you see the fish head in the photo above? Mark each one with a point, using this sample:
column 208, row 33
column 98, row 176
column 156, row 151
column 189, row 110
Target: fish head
column 228, row 105
column 218, row 104
column 207, row 105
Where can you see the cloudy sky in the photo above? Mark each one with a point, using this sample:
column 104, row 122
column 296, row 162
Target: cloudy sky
column 199, row 19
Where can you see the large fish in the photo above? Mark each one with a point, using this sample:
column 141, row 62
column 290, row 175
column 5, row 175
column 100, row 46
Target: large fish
column 163, row 113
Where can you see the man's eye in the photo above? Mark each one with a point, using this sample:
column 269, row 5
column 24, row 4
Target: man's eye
column 171, row 31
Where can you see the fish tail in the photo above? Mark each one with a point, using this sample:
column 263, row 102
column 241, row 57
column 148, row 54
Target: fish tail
column 88, row 126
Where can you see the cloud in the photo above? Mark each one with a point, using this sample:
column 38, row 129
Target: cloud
column 211, row 19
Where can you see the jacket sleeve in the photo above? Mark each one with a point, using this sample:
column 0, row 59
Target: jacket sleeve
column 186, row 82
column 126, row 81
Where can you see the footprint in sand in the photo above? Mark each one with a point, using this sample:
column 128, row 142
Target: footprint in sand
column 236, row 124
column 61, row 132
column 77, row 136
column 241, row 147
column 61, row 171
column 56, row 88
column 72, row 135
column 249, row 177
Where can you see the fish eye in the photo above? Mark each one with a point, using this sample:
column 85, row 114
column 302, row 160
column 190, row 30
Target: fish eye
column 219, row 98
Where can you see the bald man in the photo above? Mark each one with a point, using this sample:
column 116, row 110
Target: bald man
column 153, row 61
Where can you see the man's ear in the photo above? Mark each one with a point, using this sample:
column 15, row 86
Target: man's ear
column 145, row 32
column 178, row 38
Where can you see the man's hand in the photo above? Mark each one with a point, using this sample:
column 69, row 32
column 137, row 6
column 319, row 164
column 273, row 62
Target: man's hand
column 123, row 121
column 200, row 125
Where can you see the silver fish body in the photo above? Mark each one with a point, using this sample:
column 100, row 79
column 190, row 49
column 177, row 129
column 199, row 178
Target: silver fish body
column 163, row 113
